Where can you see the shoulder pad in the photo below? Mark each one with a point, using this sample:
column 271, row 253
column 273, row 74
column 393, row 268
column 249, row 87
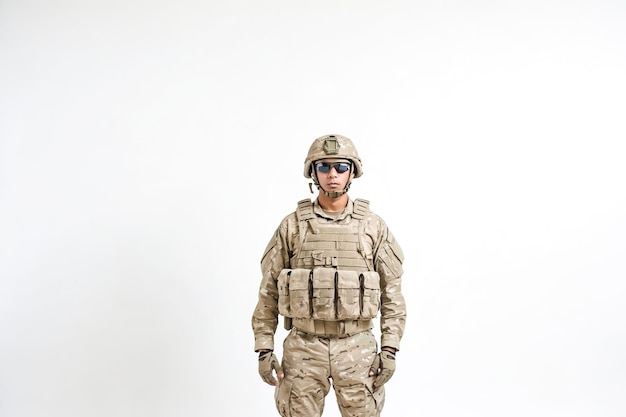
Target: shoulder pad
column 305, row 210
column 361, row 208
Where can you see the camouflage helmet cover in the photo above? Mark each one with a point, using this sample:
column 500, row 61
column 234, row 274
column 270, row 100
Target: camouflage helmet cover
column 332, row 146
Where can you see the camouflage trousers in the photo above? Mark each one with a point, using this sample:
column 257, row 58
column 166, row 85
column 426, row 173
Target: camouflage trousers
column 310, row 362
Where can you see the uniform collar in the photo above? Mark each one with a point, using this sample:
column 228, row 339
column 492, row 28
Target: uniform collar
column 317, row 209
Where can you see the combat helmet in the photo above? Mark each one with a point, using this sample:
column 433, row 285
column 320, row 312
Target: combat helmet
column 332, row 146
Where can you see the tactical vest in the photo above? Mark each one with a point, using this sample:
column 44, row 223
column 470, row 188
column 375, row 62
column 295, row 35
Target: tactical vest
column 331, row 276
column 338, row 245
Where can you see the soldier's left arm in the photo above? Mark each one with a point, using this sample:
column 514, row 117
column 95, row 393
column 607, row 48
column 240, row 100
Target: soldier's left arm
column 388, row 263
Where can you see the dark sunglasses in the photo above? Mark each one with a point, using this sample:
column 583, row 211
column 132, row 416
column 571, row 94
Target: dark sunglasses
column 340, row 167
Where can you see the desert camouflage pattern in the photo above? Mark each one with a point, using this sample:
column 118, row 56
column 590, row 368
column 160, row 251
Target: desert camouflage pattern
column 310, row 362
column 333, row 146
column 340, row 244
column 378, row 244
column 342, row 350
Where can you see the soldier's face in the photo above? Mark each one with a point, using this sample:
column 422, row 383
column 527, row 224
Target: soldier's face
column 333, row 174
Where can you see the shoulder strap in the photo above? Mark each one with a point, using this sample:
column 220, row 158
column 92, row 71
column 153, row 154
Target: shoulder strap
column 361, row 208
column 360, row 211
column 304, row 213
column 305, row 210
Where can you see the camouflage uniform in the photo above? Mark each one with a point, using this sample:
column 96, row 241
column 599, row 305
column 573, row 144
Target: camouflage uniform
column 348, row 268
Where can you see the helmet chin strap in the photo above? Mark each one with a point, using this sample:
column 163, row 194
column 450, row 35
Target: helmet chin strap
column 331, row 194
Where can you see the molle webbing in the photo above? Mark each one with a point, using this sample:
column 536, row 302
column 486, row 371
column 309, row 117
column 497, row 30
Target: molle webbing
column 305, row 210
column 361, row 208
column 331, row 244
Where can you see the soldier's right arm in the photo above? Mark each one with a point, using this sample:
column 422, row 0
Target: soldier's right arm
column 265, row 316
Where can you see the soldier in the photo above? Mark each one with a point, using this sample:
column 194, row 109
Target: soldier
column 330, row 268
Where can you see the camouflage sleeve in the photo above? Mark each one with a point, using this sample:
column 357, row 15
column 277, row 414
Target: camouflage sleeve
column 265, row 316
column 388, row 263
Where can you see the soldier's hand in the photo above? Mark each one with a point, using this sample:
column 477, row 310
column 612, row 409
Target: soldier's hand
column 267, row 365
column 383, row 367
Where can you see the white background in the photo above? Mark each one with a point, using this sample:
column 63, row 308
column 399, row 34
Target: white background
column 149, row 149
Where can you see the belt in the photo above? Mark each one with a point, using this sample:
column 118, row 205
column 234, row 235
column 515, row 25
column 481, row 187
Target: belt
column 332, row 328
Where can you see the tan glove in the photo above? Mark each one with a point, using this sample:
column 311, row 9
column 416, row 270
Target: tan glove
column 267, row 364
column 383, row 367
